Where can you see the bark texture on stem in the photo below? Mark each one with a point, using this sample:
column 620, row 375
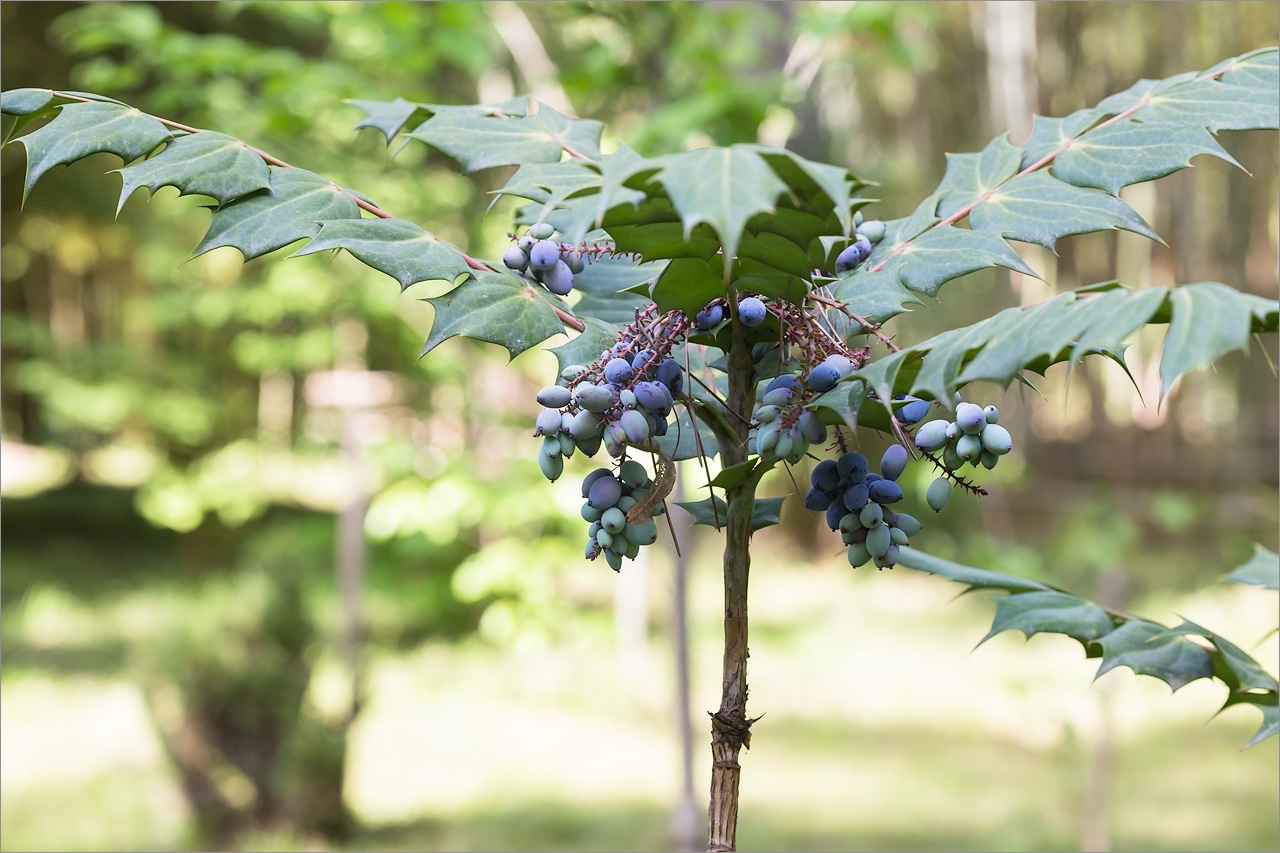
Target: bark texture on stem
column 730, row 725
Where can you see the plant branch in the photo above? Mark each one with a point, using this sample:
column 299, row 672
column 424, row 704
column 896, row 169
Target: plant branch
column 1039, row 164
column 276, row 161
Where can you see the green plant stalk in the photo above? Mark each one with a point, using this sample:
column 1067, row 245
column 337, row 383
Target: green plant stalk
column 730, row 725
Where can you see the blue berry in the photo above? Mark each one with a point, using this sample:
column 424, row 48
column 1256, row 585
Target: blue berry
column 751, row 312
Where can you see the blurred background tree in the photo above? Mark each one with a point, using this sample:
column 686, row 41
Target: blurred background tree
column 170, row 475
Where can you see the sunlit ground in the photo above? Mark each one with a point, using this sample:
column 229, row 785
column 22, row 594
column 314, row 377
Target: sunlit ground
column 882, row 730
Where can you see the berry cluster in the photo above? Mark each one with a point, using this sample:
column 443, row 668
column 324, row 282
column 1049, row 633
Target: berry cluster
column 621, row 400
column 856, row 502
column 786, row 428
column 551, row 263
column 868, row 234
column 620, row 511
column 975, row 436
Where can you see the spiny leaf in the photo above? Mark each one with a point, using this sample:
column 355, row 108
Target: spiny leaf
column 1141, row 91
column 499, row 308
column 1049, row 134
column 82, row 129
column 390, row 117
column 734, row 475
column 969, row 176
column 876, row 297
column 597, row 337
column 1262, row 569
column 1074, row 324
column 1054, row 612
column 1115, row 316
column 290, row 210
column 481, row 142
column 765, row 513
column 936, row 256
column 206, row 163
column 1146, row 647
column 387, row 116
column 396, row 247
column 1270, row 725
column 1211, row 104
column 899, row 231
column 1038, row 208
column 723, row 187
column 1209, row 320
column 1248, row 674
column 1258, row 68
column 837, row 183
column 840, row 405
column 1131, row 152
column 1139, row 645
column 549, row 184
column 947, row 253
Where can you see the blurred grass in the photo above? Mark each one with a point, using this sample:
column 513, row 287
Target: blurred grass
column 882, row 730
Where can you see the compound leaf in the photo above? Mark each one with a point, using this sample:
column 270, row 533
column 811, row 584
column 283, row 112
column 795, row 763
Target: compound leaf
column 1119, row 639
column 1208, row 319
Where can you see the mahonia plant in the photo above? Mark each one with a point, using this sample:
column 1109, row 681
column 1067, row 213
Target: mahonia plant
column 731, row 302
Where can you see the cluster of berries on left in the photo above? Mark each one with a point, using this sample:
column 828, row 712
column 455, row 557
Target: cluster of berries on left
column 551, row 263
column 621, row 400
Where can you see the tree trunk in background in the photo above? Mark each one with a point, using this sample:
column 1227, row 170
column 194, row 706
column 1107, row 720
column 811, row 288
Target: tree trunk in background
column 1095, row 831
column 730, row 726
column 1009, row 37
column 685, row 823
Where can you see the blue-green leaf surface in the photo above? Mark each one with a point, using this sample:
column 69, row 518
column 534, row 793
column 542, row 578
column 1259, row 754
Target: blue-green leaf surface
column 82, row 129
column 1038, row 208
column 398, row 248
column 723, row 187
column 497, row 307
column 482, row 142
column 765, row 513
column 969, row 176
column 1119, row 639
column 1131, row 152
column 290, row 210
column 206, row 163
column 1262, row 569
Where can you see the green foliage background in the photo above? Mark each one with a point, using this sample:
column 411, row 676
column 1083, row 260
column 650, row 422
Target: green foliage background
column 165, row 401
